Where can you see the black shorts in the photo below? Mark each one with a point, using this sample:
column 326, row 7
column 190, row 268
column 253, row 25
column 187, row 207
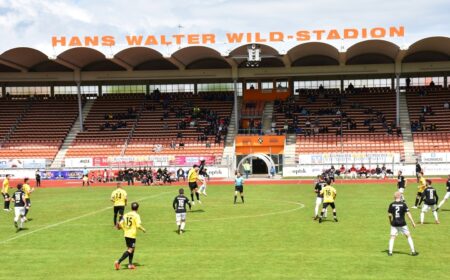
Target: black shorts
column 119, row 209
column 193, row 185
column 28, row 202
column 5, row 195
column 239, row 189
column 419, row 194
column 326, row 204
column 131, row 242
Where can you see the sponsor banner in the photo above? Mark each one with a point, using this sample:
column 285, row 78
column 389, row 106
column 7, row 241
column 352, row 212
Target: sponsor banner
column 17, row 173
column 34, row 163
column 218, row 172
column 435, row 157
column 11, row 163
column 100, row 161
column 78, row 162
column 61, row 174
column 187, row 160
column 334, row 158
column 302, row 170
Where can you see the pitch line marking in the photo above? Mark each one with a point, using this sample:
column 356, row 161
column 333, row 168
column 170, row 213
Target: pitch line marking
column 74, row 219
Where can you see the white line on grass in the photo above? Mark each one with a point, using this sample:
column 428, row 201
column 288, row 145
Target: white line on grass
column 73, row 219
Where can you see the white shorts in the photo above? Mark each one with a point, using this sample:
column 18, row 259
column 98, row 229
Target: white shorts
column 447, row 195
column 180, row 217
column 401, row 190
column 319, row 200
column 426, row 207
column 403, row 230
column 19, row 211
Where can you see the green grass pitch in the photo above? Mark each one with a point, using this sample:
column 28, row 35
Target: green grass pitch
column 271, row 236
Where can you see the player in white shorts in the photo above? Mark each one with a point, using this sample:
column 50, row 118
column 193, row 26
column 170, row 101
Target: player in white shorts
column 179, row 205
column 430, row 199
column 320, row 184
column 19, row 207
column 396, row 213
column 447, row 195
column 202, row 178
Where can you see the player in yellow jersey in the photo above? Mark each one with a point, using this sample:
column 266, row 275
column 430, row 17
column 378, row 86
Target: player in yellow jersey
column 329, row 196
column 192, row 181
column 5, row 189
column 119, row 199
column 130, row 223
column 422, row 186
column 27, row 190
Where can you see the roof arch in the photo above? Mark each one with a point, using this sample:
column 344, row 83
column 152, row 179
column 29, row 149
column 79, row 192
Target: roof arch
column 313, row 54
column 81, row 56
column 189, row 55
column 429, row 49
column 372, row 52
column 270, row 56
column 24, row 57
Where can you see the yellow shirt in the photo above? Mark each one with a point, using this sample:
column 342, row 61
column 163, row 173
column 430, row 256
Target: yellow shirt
column 130, row 223
column 422, row 184
column 329, row 194
column 5, row 187
column 27, row 190
column 119, row 197
column 192, row 175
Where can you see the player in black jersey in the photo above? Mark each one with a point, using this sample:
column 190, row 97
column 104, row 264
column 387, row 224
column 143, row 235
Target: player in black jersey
column 396, row 213
column 179, row 205
column 418, row 170
column 401, row 184
column 447, row 195
column 19, row 207
column 430, row 199
column 319, row 197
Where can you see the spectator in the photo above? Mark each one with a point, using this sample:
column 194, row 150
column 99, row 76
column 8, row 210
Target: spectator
column 180, row 174
column 181, row 146
column 432, row 83
column 446, row 105
column 342, row 171
column 408, row 82
column 247, row 167
column 399, row 131
column 362, row 171
column 353, row 171
column 371, row 128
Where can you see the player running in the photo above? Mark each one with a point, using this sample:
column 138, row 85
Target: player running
column 319, row 199
column 430, row 198
column 239, row 187
column 179, row 205
column 27, row 190
column 401, row 184
column 396, row 213
column 119, row 199
column 329, row 196
column 192, row 181
column 447, row 195
column 130, row 223
column 5, row 189
column 19, row 207
column 202, row 178
column 422, row 186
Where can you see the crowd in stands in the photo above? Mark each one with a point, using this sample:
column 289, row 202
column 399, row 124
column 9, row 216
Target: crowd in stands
column 357, row 172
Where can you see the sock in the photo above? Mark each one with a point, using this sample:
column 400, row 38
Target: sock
column 197, row 195
column 192, row 197
column 6, row 204
column 235, row 197
column 325, row 213
column 421, row 200
column 242, row 198
column 422, row 217
column 435, row 214
column 124, row 256
column 183, row 224
column 391, row 245
column 115, row 219
column 334, row 215
column 321, row 213
column 411, row 244
column 441, row 203
column 316, row 210
column 26, row 211
column 130, row 258
column 417, row 202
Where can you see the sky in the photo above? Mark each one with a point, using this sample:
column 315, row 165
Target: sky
column 32, row 23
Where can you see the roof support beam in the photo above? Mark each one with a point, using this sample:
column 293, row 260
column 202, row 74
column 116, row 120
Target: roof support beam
column 177, row 63
column 121, row 63
column 286, row 60
column 13, row 65
column 67, row 64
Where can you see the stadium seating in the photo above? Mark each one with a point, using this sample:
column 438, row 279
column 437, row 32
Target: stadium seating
column 43, row 127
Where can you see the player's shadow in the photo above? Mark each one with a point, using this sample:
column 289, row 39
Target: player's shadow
column 445, row 210
column 395, row 252
column 197, row 211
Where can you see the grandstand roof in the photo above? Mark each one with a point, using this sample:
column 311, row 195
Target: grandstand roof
column 369, row 52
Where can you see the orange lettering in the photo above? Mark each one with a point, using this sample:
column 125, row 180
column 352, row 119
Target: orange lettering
column 350, row 33
column 91, row 41
column 303, row 35
column 178, row 38
column 234, row 37
column 378, row 32
column 258, row 38
column 164, row 41
column 134, row 40
column 318, row 34
column 193, row 39
column 364, row 33
column 249, row 37
column 209, row 38
column 108, row 41
column 276, row 36
column 333, row 35
column 399, row 32
column 151, row 40
column 75, row 42
column 61, row 41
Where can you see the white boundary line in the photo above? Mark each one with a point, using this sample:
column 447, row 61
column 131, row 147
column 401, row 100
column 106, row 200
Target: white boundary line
column 74, row 219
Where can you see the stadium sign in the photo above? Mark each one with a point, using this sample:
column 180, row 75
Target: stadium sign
column 342, row 158
column 230, row 38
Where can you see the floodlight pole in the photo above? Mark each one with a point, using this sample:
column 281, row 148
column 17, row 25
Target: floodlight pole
column 397, row 98
column 236, row 110
column 80, row 105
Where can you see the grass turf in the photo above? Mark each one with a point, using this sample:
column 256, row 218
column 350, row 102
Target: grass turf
column 271, row 236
